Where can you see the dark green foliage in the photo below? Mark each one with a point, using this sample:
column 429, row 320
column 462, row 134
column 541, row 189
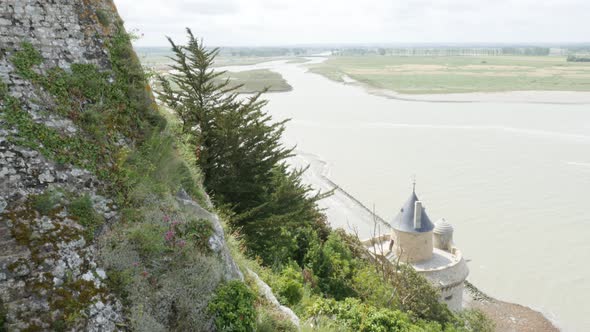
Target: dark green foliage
column 236, row 143
column 233, row 307
column 83, row 212
column 334, row 265
column 573, row 58
column 289, row 286
column 280, row 230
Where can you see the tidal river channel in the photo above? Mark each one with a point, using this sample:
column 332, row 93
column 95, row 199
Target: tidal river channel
column 513, row 178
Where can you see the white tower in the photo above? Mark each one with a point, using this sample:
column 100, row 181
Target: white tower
column 412, row 232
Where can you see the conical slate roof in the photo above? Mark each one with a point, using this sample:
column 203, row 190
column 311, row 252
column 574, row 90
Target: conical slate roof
column 404, row 221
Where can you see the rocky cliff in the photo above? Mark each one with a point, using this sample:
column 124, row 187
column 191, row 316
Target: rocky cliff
column 73, row 106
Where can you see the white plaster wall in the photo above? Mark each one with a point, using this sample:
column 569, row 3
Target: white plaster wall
column 453, row 297
column 413, row 247
column 443, row 241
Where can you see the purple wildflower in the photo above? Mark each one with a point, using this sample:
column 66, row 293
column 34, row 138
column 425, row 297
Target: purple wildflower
column 169, row 235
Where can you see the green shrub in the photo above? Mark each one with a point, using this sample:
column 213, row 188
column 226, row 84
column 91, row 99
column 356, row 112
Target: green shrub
column 197, row 232
column 334, row 265
column 384, row 321
column 476, row 321
column 353, row 315
column 83, row 212
column 289, row 286
column 273, row 322
column 149, row 240
column 233, row 307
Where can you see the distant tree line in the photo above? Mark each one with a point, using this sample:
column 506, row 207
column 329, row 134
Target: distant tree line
column 442, row 51
column 525, row 50
column 264, row 51
column 573, row 58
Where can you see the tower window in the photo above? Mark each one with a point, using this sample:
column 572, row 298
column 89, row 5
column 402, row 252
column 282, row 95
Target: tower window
column 448, row 298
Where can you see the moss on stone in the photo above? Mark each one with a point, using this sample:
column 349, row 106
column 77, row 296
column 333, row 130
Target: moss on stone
column 103, row 17
column 50, row 142
column 83, row 212
column 45, row 202
column 25, row 60
column 75, row 295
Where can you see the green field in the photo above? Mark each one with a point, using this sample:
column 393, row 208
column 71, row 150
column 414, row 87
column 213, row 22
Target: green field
column 257, row 80
column 159, row 59
column 253, row 81
column 416, row 75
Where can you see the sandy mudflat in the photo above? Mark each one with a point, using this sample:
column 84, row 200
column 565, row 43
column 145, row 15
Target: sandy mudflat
column 538, row 97
column 508, row 317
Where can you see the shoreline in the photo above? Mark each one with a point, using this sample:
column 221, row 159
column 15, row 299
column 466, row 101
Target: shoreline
column 342, row 206
column 510, row 97
column 556, row 97
column 508, row 317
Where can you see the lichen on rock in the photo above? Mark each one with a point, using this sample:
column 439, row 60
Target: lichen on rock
column 49, row 276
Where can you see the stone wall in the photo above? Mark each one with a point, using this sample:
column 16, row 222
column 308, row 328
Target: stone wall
column 413, row 247
column 65, row 31
column 47, row 265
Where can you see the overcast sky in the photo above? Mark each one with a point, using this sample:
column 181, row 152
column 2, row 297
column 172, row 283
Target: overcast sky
column 291, row 22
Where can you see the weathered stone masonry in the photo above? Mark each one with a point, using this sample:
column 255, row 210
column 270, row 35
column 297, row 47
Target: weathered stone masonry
column 40, row 253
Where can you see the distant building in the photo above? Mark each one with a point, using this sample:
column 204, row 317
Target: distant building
column 428, row 247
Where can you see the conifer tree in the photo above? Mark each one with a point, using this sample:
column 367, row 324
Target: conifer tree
column 239, row 150
column 235, row 142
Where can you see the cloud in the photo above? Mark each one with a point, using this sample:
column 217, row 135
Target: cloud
column 208, row 7
column 280, row 22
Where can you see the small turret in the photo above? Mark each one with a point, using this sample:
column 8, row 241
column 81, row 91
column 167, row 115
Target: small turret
column 443, row 235
column 412, row 232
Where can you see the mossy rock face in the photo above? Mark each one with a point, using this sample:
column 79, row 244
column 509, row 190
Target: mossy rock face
column 75, row 114
column 56, row 272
